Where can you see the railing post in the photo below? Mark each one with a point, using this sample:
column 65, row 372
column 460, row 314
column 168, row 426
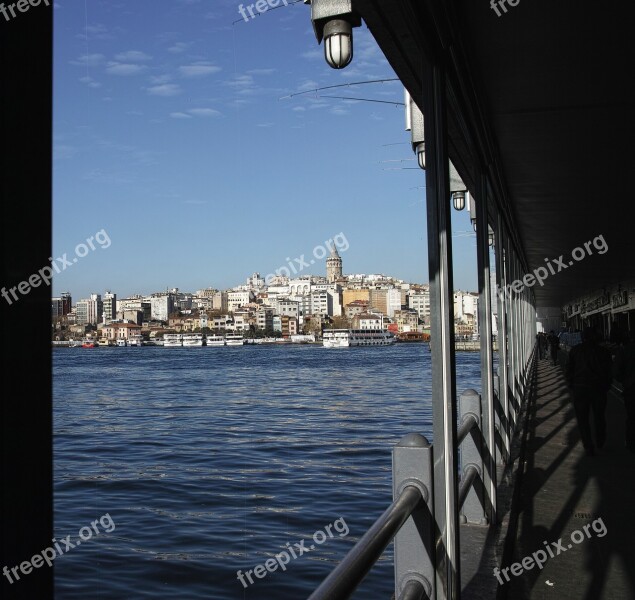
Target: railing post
column 414, row 543
column 473, row 510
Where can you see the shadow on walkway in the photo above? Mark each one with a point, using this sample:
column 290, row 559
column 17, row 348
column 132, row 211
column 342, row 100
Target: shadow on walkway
column 586, row 503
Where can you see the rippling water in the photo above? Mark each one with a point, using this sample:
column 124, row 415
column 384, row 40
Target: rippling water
column 211, row 460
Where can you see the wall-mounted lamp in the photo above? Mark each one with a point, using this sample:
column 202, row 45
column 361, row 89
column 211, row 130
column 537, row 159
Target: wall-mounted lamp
column 458, row 189
column 458, row 199
column 333, row 22
column 414, row 124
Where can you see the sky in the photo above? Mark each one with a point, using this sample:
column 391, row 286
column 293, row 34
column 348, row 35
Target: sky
column 175, row 149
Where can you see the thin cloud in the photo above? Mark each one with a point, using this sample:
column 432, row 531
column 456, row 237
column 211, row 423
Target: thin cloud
column 198, row 69
column 132, row 56
column 89, row 60
column 123, row 69
column 179, row 47
column 204, row 112
column 165, row 90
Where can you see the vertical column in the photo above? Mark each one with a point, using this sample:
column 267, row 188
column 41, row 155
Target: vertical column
column 485, row 326
column 501, row 284
column 444, row 409
column 414, row 543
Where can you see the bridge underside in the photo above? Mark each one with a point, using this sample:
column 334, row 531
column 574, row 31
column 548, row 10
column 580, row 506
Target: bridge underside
column 542, row 97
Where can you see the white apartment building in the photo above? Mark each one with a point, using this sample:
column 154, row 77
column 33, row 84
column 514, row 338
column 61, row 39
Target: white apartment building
column 89, row 310
column 236, row 299
column 420, row 302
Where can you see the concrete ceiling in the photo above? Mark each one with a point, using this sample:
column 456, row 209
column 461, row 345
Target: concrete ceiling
column 553, row 87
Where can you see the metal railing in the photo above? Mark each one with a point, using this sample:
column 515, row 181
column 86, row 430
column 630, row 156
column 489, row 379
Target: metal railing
column 409, row 520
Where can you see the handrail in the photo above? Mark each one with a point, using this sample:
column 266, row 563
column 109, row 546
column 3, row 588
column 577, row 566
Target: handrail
column 343, row 580
column 470, row 474
column 414, row 590
column 350, row 572
column 466, row 426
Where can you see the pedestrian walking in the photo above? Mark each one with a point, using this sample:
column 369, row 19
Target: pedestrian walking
column 554, row 344
column 624, row 372
column 589, row 377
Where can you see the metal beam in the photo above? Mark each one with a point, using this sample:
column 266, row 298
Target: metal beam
column 485, row 328
column 442, row 334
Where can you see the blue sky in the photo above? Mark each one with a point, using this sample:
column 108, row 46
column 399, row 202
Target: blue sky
column 169, row 134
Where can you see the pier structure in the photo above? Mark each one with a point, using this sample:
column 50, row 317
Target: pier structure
column 523, row 114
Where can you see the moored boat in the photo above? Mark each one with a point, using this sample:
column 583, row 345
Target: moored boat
column 349, row 338
column 192, row 339
column 215, row 340
column 234, row 339
column 172, row 340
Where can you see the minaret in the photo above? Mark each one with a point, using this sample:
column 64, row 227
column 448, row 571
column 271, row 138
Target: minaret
column 333, row 266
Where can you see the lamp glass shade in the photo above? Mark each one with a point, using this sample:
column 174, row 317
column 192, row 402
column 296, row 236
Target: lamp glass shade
column 458, row 198
column 421, row 156
column 338, row 45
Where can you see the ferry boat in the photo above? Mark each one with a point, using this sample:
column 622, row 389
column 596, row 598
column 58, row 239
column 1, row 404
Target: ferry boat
column 88, row 343
column 154, row 341
column 103, row 342
column 215, row 340
column 234, row 339
column 136, row 339
column 193, row 339
column 348, row 338
column 121, row 343
column 172, row 340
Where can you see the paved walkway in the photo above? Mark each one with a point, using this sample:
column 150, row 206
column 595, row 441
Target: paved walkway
column 568, row 496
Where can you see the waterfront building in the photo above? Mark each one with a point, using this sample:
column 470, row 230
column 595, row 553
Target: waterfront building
column 61, row 305
column 264, row 318
column 350, row 295
column 161, row 306
column 368, row 321
column 89, row 310
column 419, row 301
column 110, row 306
column 237, row 299
column 120, row 331
column 219, row 301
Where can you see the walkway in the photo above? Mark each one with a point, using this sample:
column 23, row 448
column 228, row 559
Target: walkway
column 563, row 493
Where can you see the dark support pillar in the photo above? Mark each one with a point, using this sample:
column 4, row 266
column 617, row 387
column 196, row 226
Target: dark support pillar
column 442, row 335
column 485, row 327
column 501, row 284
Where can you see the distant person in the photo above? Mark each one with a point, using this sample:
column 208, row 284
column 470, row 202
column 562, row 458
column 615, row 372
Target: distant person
column 545, row 344
column 554, row 344
column 541, row 351
column 589, row 377
column 624, row 372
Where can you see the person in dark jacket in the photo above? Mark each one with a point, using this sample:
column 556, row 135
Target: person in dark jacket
column 554, row 345
column 624, row 372
column 589, row 377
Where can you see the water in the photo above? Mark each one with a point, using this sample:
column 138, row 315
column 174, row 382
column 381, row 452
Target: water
column 210, row 460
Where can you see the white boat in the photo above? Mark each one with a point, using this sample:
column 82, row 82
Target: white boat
column 121, row 343
column 172, row 340
column 234, row 339
column 136, row 339
column 349, row 338
column 215, row 340
column 193, row 339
